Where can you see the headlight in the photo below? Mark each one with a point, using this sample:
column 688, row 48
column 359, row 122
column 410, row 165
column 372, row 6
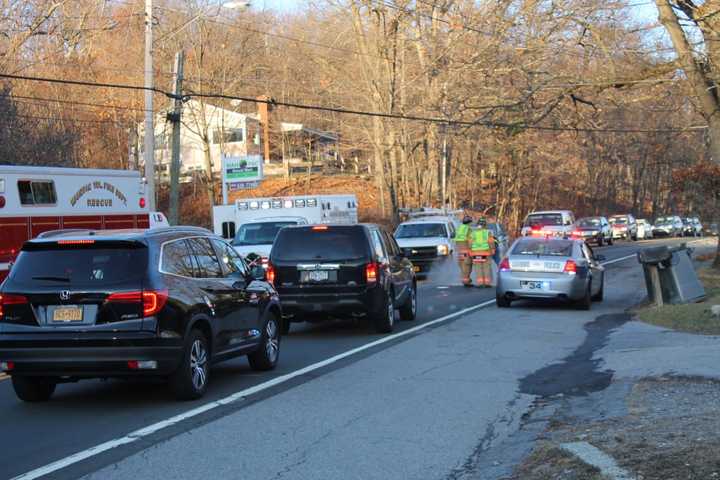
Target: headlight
column 443, row 250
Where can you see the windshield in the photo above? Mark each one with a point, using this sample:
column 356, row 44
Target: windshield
column 544, row 219
column 421, row 230
column 262, row 233
column 540, row 246
column 320, row 243
column 618, row 220
column 80, row 267
column 589, row 222
column 664, row 221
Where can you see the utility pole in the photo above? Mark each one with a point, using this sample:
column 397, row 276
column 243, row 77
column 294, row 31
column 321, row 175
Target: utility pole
column 174, row 117
column 444, row 170
column 149, row 152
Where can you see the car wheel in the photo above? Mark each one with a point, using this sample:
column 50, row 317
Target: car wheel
column 598, row 297
column 408, row 311
column 385, row 318
column 502, row 301
column 586, row 302
column 190, row 380
column 266, row 357
column 33, row 389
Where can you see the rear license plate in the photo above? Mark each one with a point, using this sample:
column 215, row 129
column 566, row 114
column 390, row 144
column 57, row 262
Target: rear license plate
column 528, row 285
column 417, row 268
column 68, row 314
column 314, row 276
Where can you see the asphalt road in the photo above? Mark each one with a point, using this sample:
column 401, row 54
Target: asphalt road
column 88, row 413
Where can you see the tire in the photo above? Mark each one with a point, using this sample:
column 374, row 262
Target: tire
column 408, row 311
column 598, row 297
column 33, row 389
column 502, row 301
column 266, row 357
column 190, row 380
column 384, row 319
column 585, row 303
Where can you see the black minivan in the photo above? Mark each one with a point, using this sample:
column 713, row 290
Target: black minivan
column 166, row 302
column 323, row 271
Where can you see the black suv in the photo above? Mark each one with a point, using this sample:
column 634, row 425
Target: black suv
column 167, row 302
column 326, row 271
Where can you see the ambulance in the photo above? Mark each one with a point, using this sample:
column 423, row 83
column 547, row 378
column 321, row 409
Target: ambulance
column 251, row 224
column 38, row 199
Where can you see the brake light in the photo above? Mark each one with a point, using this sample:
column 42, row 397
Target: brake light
column 371, row 272
column 319, row 228
column 504, row 265
column 536, row 227
column 75, row 242
column 152, row 300
column 570, row 267
column 270, row 273
column 142, row 202
column 577, row 233
column 11, row 299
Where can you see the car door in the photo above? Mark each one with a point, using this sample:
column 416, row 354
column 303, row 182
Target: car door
column 245, row 321
column 218, row 293
column 401, row 267
column 596, row 270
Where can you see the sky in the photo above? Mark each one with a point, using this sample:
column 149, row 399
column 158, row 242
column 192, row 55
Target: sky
column 280, row 5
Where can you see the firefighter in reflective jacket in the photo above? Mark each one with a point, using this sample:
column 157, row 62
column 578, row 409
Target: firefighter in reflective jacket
column 482, row 248
column 462, row 247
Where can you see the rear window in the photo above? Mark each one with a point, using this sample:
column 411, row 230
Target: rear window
column 589, row 222
column 262, row 233
column 618, row 220
column 544, row 219
column 95, row 265
column 421, row 230
column 531, row 246
column 320, row 243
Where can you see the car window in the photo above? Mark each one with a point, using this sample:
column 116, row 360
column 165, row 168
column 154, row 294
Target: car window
column 321, row 242
column 421, row 230
column 544, row 219
column 390, row 243
column 177, row 259
column 206, row 257
column 232, row 263
column 541, row 246
column 261, row 233
column 378, row 246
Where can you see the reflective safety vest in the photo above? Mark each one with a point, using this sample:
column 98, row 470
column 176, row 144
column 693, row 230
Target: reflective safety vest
column 461, row 234
column 480, row 240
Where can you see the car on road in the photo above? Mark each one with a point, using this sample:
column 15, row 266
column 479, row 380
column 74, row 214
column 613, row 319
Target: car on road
column 426, row 242
column 668, row 226
column 551, row 269
column 711, row 230
column 325, row 271
column 644, row 229
column 693, row 227
column 624, row 227
column 554, row 223
column 594, row 229
column 257, row 237
column 164, row 303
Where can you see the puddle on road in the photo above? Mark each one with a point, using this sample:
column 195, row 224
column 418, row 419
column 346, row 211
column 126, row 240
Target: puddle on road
column 577, row 374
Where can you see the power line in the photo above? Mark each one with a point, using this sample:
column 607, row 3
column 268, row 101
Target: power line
column 363, row 113
column 71, row 102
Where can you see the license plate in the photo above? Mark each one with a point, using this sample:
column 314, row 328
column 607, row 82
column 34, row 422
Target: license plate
column 315, row 276
column 528, row 285
column 68, row 314
column 416, row 268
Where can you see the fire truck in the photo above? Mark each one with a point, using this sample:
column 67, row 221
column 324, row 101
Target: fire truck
column 38, row 199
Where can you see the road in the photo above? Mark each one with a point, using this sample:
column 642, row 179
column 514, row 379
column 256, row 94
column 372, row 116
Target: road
column 89, row 413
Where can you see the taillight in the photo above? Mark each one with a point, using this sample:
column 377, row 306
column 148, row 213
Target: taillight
column 11, row 299
column 152, row 300
column 371, row 272
column 2, row 201
column 76, row 242
column 270, row 273
column 577, row 233
column 570, row 267
column 504, row 265
column 320, row 228
column 142, row 202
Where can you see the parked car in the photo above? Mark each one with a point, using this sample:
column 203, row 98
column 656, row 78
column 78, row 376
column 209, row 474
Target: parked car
column 624, row 227
column 668, row 226
column 324, row 271
column 698, row 227
column 552, row 269
column 554, row 223
column 157, row 303
column 426, row 242
column 688, row 229
column 501, row 240
column 594, row 229
column 644, row 229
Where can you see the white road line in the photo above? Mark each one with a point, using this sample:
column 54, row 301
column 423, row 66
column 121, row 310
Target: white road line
column 144, row 432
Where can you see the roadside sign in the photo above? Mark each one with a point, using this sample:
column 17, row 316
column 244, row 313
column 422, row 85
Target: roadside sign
column 235, row 186
column 241, row 173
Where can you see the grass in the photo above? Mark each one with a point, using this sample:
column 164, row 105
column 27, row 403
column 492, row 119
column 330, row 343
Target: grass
column 549, row 462
column 691, row 317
